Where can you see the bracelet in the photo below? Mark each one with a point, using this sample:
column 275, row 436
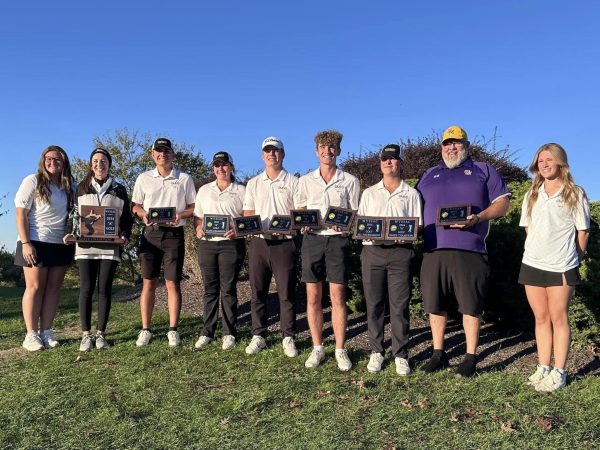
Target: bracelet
column 27, row 242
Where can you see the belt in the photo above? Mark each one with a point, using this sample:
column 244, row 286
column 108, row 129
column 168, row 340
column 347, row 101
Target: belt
column 270, row 237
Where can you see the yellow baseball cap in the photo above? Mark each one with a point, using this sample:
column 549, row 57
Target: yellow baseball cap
column 455, row 132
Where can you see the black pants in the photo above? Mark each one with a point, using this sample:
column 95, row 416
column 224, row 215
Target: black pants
column 220, row 262
column 91, row 270
column 386, row 271
column 276, row 258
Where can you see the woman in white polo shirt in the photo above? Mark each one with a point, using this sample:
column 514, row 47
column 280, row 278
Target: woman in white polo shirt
column 556, row 217
column 42, row 204
column 220, row 257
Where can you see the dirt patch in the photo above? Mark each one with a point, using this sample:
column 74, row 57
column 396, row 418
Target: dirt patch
column 500, row 348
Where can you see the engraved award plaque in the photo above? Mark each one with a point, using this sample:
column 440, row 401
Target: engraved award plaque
column 339, row 217
column 281, row 224
column 452, row 215
column 306, row 218
column 215, row 224
column 99, row 224
column 366, row 227
column 402, row 228
column 247, row 226
column 161, row 215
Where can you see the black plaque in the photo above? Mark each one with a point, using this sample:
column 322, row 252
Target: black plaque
column 339, row 217
column 215, row 224
column 306, row 218
column 246, row 226
column 402, row 228
column 281, row 224
column 366, row 227
column 453, row 215
column 96, row 224
column 161, row 215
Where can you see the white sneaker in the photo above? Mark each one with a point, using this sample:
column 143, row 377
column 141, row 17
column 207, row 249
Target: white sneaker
column 173, row 338
column 87, row 343
column 553, row 381
column 402, row 366
column 143, row 338
column 48, row 339
column 202, row 342
column 256, row 345
column 343, row 361
column 289, row 348
column 228, row 342
column 101, row 342
column 375, row 362
column 315, row 358
column 538, row 375
column 33, row 342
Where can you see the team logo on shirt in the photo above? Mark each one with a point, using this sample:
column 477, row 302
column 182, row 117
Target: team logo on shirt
column 468, row 172
column 436, row 176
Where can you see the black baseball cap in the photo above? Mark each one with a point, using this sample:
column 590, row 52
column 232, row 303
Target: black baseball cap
column 223, row 157
column 162, row 143
column 390, row 151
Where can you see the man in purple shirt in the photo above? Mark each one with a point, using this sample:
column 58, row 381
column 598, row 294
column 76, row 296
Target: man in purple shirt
column 455, row 260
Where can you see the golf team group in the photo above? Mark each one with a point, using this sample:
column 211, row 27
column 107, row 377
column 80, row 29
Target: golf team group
column 555, row 215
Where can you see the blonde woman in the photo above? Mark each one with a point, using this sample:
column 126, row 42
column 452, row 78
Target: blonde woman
column 556, row 217
column 42, row 205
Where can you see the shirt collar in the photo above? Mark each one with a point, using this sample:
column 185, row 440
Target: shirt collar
column 173, row 174
column 338, row 175
column 280, row 176
column 468, row 163
column 400, row 188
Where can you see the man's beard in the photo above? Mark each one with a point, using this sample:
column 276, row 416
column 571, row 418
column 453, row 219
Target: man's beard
column 460, row 158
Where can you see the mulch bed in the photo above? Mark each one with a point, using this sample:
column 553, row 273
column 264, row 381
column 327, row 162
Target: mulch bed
column 500, row 348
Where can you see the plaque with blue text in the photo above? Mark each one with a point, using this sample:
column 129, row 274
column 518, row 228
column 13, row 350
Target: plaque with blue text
column 247, row 225
column 401, row 228
column 215, row 224
column 452, row 215
column 368, row 227
column 339, row 217
column 306, row 218
column 280, row 224
column 161, row 215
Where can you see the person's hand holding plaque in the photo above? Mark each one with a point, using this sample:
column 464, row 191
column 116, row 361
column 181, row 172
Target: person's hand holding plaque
column 472, row 220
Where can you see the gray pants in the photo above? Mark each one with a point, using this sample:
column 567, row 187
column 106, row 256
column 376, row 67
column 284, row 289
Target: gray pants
column 386, row 273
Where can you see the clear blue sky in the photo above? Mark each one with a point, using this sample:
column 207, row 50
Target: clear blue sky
column 224, row 75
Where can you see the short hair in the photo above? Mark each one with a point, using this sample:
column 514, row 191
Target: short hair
column 329, row 137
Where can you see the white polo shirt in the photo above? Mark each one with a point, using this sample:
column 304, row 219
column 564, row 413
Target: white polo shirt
column 377, row 201
column 267, row 197
column 342, row 191
column 552, row 231
column 211, row 200
column 154, row 191
column 47, row 221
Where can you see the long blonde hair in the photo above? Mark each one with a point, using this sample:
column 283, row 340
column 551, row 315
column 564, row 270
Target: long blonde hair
column 65, row 182
column 570, row 192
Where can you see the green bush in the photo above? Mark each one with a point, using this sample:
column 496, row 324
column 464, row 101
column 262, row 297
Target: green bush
column 10, row 275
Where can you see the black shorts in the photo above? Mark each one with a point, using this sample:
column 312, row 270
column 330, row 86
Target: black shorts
column 48, row 255
column 542, row 278
column 454, row 272
column 160, row 244
column 324, row 258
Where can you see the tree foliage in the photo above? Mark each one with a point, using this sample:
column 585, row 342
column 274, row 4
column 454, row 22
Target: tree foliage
column 131, row 155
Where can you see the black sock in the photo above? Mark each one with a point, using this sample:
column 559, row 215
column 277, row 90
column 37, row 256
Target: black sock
column 467, row 367
column 172, row 328
column 437, row 354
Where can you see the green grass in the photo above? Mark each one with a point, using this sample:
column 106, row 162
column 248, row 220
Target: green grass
column 156, row 397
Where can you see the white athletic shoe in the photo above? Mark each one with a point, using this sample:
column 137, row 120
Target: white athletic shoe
column 87, row 343
column 343, row 361
column 202, row 342
column 256, row 345
column 539, row 374
column 173, row 338
column 143, row 338
column 315, row 358
column 228, row 342
column 402, row 366
column 33, row 342
column 101, row 342
column 289, row 348
column 48, row 339
column 553, row 381
column 375, row 362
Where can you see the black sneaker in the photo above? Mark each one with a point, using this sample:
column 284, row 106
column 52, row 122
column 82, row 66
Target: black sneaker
column 467, row 367
column 437, row 362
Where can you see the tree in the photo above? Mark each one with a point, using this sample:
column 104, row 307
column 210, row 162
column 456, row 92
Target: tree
column 131, row 155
